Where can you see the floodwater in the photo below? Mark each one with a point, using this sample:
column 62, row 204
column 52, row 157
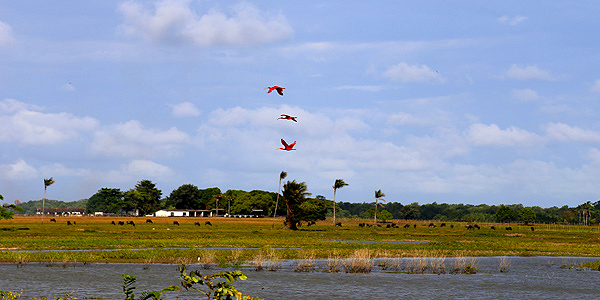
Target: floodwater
column 526, row 278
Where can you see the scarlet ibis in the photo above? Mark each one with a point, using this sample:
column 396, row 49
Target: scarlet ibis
column 287, row 147
column 287, row 117
column 277, row 88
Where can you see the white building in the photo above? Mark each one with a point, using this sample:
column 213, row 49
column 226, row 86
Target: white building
column 183, row 213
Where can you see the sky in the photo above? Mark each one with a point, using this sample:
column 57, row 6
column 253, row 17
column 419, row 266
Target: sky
column 474, row 102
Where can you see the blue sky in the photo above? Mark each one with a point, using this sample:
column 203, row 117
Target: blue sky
column 448, row 101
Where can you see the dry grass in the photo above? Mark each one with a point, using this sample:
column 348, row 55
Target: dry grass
column 359, row 262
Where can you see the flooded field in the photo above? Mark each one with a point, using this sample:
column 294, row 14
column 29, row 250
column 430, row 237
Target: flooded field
column 525, row 278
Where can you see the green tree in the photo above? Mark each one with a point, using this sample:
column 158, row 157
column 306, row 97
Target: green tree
column 385, row 215
column 410, row 211
column 282, row 176
column 5, row 213
column 505, row 214
column 186, row 196
column 107, row 200
column 338, row 184
column 47, row 182
column 294, row 194
column 526, row 215
column 151, row 197
column 313, row 210
column 378, row 197
column 207, row 197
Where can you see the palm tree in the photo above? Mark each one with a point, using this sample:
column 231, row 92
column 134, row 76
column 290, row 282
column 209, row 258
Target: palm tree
column 378, row 196
column 47, row 183
column 282, row 176
column 339, row 183
column 294, row 194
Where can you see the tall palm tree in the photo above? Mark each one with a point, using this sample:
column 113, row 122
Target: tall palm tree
column 47, row 183
column 378, row 196
column 338, row 184
column 282, row 176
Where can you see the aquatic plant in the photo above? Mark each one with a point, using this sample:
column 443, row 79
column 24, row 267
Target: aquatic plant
column 307, row 263
column 359, row 262
column 504, row 264
column 333, row 264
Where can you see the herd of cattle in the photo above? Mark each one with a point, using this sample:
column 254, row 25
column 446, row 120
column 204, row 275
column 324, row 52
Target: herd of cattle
column 392, row 225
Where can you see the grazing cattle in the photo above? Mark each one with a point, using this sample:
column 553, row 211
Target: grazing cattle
column 451, row 225
column 197, row 223
column 69, row 223
column 175, row 223
column 312, row 223
column 130, row 223
column 361, row 224
column 121, row 223
column 388, row 226
column 470, row 227
column 443, row 225
column 431, row 225
column 113, row 222
column 208, row 223
column 395, row 225
column 509, row 228
column 493, row 228
column 52, row 220
column 532, row 229
column 415, row 226
column 149, row 221
column 407, row 226
column 476, row 226
column 338, row 224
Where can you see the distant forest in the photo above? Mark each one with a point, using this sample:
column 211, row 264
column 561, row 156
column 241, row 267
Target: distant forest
column 242, row 202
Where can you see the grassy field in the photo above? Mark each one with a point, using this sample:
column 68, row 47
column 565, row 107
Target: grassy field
column 229, row 241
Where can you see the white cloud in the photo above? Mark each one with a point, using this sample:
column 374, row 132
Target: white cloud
column 67, row 87
column 174, row 21
column 563, row 132
column 411, row 73
column 491, row 135
column 403, row 118
column 525, row 95
column 146, row 168
column 528, row 73
column 131, row 139
column 185, row 109
column 29, row 127
column 596, row 86
column 18, row 170
column 6, row 35
column 512, row 21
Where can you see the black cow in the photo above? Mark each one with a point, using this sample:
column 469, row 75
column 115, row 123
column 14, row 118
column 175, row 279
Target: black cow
column 493, row 228
column 69, row 223
column 431, row 225
column 121, row 223
column 208, row 223
column 338, row 224
column 197, row 224
column 149, row 221
column 175, row 223
column 407, row 226
column 532, row 229
column 113, row 222
column 443, row 225
column 52, row 220
column 476, row 226
column 130, row 223
column 509, row 228
column 470, row 227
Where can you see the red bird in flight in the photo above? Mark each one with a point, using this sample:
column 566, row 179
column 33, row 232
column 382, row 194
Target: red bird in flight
column 277, row 88
column 287, row 147
column 287, row 117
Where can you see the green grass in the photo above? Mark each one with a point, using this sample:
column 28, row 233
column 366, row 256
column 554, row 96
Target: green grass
column 163, row 242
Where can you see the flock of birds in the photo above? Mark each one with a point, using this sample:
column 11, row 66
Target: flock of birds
column 286, row 146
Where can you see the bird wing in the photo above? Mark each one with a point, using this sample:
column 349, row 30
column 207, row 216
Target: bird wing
column 280, row 90
column 292, row 144
column 284, row 143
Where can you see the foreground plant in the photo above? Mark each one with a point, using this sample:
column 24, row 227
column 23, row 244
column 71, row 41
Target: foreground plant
column 206, row 285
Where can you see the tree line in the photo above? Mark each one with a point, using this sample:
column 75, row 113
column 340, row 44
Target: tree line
column 297, row 205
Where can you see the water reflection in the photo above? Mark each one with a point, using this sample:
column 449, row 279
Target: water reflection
column 526, row 278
